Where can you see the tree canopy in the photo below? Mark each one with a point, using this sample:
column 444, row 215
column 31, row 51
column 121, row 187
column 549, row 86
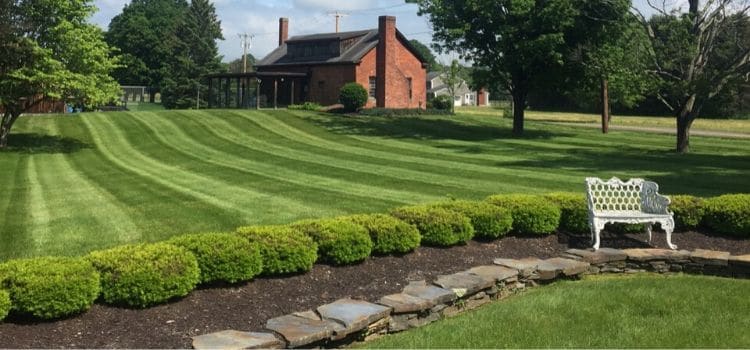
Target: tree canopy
column 432, row 63
column 49, row 50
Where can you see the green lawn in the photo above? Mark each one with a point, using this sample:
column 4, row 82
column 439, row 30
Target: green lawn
column 640, row 311
column 75, row 183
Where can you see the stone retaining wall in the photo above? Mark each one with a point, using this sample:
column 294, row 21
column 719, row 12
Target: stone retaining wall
column 420, row 303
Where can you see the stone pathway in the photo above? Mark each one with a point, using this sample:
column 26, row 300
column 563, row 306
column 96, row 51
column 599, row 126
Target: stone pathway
column 347, row 320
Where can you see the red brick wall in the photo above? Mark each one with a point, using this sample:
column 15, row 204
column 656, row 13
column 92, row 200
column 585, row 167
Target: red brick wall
column 395, row 67
column 365, row 70
column 333, row 79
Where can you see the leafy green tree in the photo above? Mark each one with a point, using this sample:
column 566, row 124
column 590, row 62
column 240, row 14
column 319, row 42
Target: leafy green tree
column 452, row 79
column 236, row 65
column 143, row 33
column 518, row 41
column 49, row 50
column 697, row 55
column 195, row 55
column 432, row 63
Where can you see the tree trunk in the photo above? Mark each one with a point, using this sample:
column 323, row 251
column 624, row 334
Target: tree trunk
column 605, row 106
column 519, row 105
column 151, row 96
column 685, row 118
column 7, row 122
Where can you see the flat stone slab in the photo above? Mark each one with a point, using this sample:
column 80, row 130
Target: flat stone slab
column 494, row 272
column 603, row 255
column 433, row 294
column 710, row 257
column 640, row 254
column 551, row 268
column 299, row 331
column 230, row 339
column 355, row 315
column 464, row 283
column 525, row 266
column 404, row 303
column 741, row 260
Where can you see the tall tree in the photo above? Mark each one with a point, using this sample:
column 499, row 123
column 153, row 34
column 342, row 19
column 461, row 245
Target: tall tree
column 195, row 55
column 432, row 63
column 698, row 52
column 517, row 41
column 236, row 66
column 451, row 76
column 48, row 50
column 143, row 33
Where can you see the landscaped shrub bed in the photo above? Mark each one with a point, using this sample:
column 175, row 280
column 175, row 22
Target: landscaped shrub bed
column 402, row 112
column 49, row 287
column 532, row 214
column 284, row 249
column 145, row 274
column 729, row 214
column 340, row 241
column 574, row 211
column 688, row 212
column 222, row 257
column 4, row 304
column 438, row 226
column 388, row 234
column 489, row 221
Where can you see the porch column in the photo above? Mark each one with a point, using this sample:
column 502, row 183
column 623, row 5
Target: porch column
column 275, row 93
column 227, row 84
column 292, row 99
column 239, row 94
column 210, row 92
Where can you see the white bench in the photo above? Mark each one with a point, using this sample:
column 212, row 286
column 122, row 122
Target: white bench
column 633, row 202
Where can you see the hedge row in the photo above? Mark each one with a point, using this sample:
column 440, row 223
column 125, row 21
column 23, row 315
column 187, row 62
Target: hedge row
column 147, row 274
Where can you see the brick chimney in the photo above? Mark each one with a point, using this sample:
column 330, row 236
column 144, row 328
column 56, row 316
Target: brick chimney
column 283, row 30
column 386, row 58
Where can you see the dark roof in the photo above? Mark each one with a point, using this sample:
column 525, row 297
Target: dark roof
column 432, row 75
column 366, row 40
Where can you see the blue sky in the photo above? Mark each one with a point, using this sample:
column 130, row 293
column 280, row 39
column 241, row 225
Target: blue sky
column 260, row 18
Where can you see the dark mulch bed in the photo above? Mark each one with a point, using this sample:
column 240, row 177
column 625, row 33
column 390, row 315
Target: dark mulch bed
column 248, row 306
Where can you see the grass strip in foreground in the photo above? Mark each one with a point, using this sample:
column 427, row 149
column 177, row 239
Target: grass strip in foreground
column 636, row 311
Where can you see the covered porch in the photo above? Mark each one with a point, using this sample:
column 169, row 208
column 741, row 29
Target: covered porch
column 256, row 89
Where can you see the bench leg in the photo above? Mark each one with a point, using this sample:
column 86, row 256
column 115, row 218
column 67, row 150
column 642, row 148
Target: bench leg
column 596, row 229
column 668, row 227
column 648, row 231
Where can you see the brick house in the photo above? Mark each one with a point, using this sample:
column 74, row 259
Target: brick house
column 381, row 60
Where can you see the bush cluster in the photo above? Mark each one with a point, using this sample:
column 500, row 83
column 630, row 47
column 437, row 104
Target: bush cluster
column 307, row 106
column 442, row 102
column 283, row 249
column 353, row 96
column 438, row 226
column 50, row 287
column 489, row 221
column 729, row 214
column 402, row 112
column 531, row 214
column 4, row 304
column 574, row 212
column 688, row 212
column 222, row 257
column 145, row 274
column 340, row 241
column 388, row 234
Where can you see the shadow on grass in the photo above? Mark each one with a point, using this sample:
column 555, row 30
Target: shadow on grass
column 29, row 143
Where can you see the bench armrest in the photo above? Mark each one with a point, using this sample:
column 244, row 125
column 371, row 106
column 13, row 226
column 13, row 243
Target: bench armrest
column 652, row 201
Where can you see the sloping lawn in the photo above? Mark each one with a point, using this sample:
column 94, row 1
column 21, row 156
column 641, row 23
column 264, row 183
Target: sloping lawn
column 71, row 184
column 640, row 311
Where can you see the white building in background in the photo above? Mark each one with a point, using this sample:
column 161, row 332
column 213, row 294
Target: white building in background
column 464, row 96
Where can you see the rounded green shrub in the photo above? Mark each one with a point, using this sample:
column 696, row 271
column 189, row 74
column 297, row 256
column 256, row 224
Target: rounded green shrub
column 284, row 249
column 353, row 96
column 442, row 102
column 222, row 257
column 339, row 241
column 145, row 274
column 4, row 304
column 729, row 214
column 532, row 214
column 489, row 221
column 388, row 234
column 574, row 211
column 438, row 226
column 50, row 287
column 688, row 212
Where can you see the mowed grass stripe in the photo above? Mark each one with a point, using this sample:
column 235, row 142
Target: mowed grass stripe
column 39, row 229
column 16, row 240
column 406, row 182
column 217, row 193
column 219, row 156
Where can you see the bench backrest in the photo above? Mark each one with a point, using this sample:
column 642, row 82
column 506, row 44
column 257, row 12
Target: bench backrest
column 616, row 196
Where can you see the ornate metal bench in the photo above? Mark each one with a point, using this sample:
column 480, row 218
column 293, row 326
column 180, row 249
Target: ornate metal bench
column 633, row 202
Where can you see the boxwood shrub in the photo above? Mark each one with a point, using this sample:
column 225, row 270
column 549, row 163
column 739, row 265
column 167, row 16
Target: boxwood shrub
column 49, row 287
column 438, row 226
column 388, row 234
column 574, row 211
column 688, row 212
column 489, row 221
column 532, row 214
column 284, row 249
column 145, row 274
column 340, row 241
column 222, row 257
column 4, row 304
column 729, row 214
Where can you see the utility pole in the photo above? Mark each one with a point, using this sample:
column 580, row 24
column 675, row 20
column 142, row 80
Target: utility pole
column 338, row 16
column 247, row 41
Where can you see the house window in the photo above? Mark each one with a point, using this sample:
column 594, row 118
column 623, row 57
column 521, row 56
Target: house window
column 373, row 86
column 409, row 81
